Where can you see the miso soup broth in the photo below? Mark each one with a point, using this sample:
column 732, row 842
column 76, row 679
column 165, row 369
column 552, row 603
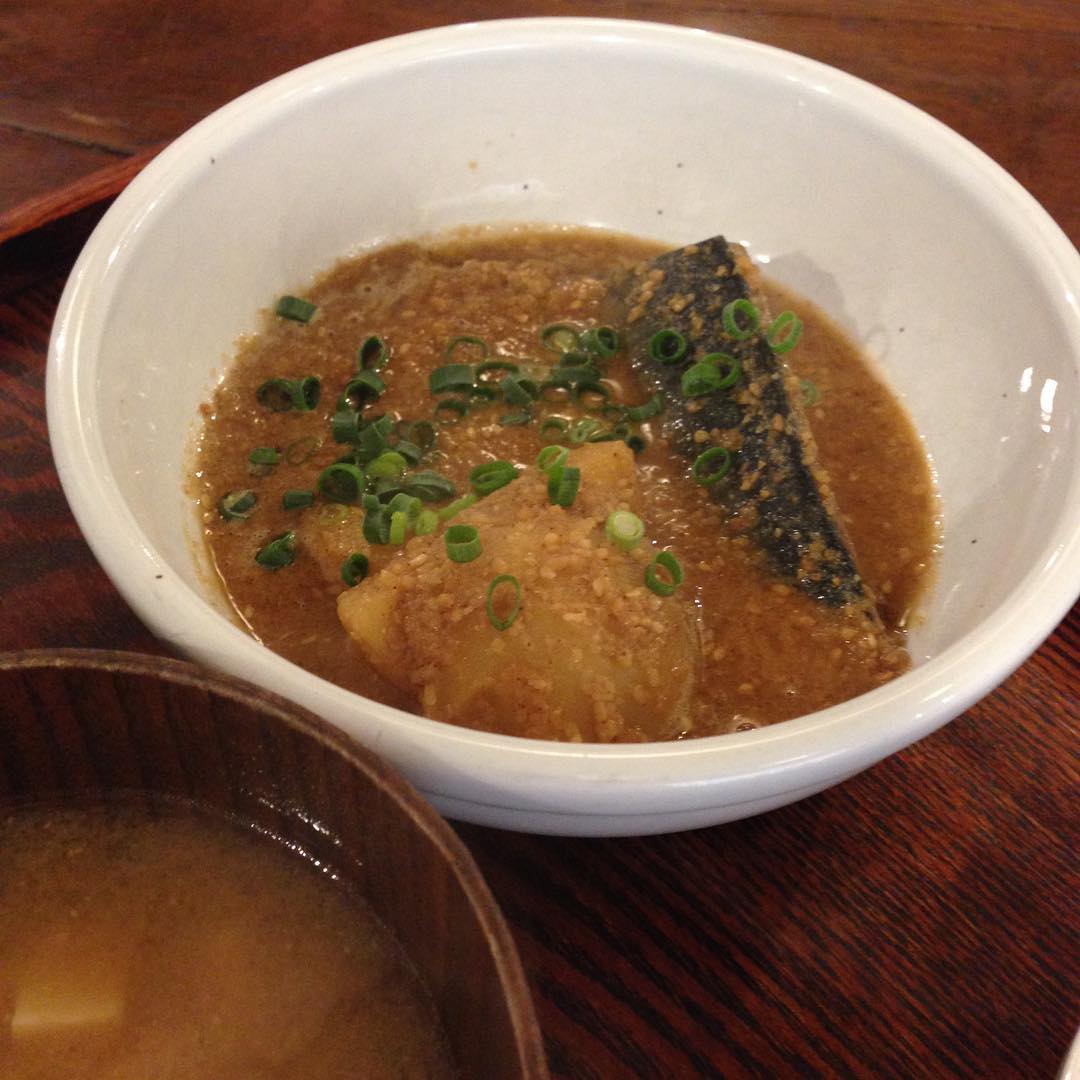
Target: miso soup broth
column 184, row 946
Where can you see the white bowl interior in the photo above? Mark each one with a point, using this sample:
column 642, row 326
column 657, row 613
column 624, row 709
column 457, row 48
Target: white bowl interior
column 955, row 281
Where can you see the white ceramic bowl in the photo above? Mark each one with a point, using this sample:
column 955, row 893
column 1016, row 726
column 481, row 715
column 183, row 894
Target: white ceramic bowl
column 955, row 280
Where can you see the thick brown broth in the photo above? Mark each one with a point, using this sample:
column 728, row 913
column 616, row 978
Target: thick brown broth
column 763, row 651
column 184, row 947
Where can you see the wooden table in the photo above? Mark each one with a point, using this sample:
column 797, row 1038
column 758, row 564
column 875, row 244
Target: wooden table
column 919, row 921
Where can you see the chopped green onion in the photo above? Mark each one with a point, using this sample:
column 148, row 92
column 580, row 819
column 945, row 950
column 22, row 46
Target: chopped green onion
column 354, row 569
column 462, row 543
column 297, row 499
column 518, row 389
column 376, row 526
column 667, row 563
column 345, row 425
column 363, row 387
column 409, row 505
column 388, row 463
column 237, row 505
column 667, row 346
column 700, row 379
column 371, row 438
column 551, row 456
column 784, row 332
column 409, row 451
column 452, row 377
column 648, row 410
column 624, row 530
column 398, row 525
column 427, row 521
column 583, row 430
column 463, row 340
column 497, row 365
column 559, row 337
column 341, row 482
column 492, row 475
column 420, row 432
column 429, row 486
column 264, row 455
column 279, row 552
column 811, row 394
column 554, row 423
column 501, row 622
column 485, row 391
column 601, row 341
column 296, row 308
column 452, row 405
column 727, row 364
column 711, row 466
column 740, row 310
column 373, row 354
column 458, row 505
column 516, row 419
column 563, row 484
column 281, row 395
column 302, row 450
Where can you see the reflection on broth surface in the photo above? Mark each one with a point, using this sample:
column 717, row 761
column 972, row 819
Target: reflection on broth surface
column 515, row 599
column 183, row 946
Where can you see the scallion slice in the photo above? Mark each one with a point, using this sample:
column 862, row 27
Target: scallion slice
column 354, row 569
column 667, row 346
column 373, row 354
column 624, row 530
column 306, row 392
column 409, row 505
column 452, row 378
column 551, row 457
column 517, row 389
column 388, row 463
column 452, row 510
column 463, row 341
column 563, row 484
column 601, row 341
column 664, row 574
column 398, row 526
column 583, row 430
column 295, row 308
column 429, row 486
column 462, row 543
column 700, row 379
column 648, row 410
column 341, row 482
column 502, row 622
column 420, row 432
column 427, row 521
column 712, row 466
column 376, row 526
column 237, row 505
column 492, row 475
column 741, row 319
column 507, row 366
column 516, row 419
column 784, row 332
column 363, row 387
column 279, row 552
column 297, row 499
column 276, row 395
column 559, row 337
column 728, row 367
column 264, row 455
column 451, row 405
column 558, row 424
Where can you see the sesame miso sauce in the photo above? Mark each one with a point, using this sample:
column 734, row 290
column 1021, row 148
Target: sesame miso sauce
column 591, row 654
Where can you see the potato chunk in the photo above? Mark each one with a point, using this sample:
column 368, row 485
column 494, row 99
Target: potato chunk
column 592, row 656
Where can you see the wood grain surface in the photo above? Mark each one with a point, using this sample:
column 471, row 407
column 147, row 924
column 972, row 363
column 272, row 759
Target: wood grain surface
column 920, row 920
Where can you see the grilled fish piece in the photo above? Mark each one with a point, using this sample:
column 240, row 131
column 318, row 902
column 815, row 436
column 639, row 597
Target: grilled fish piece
column 775, row 489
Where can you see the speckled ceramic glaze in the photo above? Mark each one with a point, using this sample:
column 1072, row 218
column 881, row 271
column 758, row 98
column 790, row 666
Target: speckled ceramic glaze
column 954, row 279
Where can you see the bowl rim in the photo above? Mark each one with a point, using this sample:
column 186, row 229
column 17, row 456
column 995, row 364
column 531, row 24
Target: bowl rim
column 603, row 779
column 378, row 772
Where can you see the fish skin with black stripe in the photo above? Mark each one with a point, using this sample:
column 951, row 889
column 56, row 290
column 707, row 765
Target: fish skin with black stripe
column 776, row 492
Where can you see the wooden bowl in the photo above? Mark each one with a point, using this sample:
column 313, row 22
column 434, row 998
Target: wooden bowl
column 80, row 725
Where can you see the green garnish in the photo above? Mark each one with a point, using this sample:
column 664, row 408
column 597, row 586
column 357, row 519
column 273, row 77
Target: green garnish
column 354, row 569
column 453, row 509
column 295, row 308
column 492, row 475
column 563, row 484
column 237, row 505
column 784, row 332
column 624, row 530
column 282, row 395
column 264, row 455
column 363, row 387
column 648, row 410
column 297, row 499
column 427, row 521
column 559, row 337
column 601, row 341
column 462, row 543
column 389, row 463
column 711, row 466
column 551, row 457
column 741, row 319
column 341, row 482
column 279, row 552
column 667, row 346
column 502, row 622
column 463, row 341
column 373, row 354
column 664, row 574
column 429, row 486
